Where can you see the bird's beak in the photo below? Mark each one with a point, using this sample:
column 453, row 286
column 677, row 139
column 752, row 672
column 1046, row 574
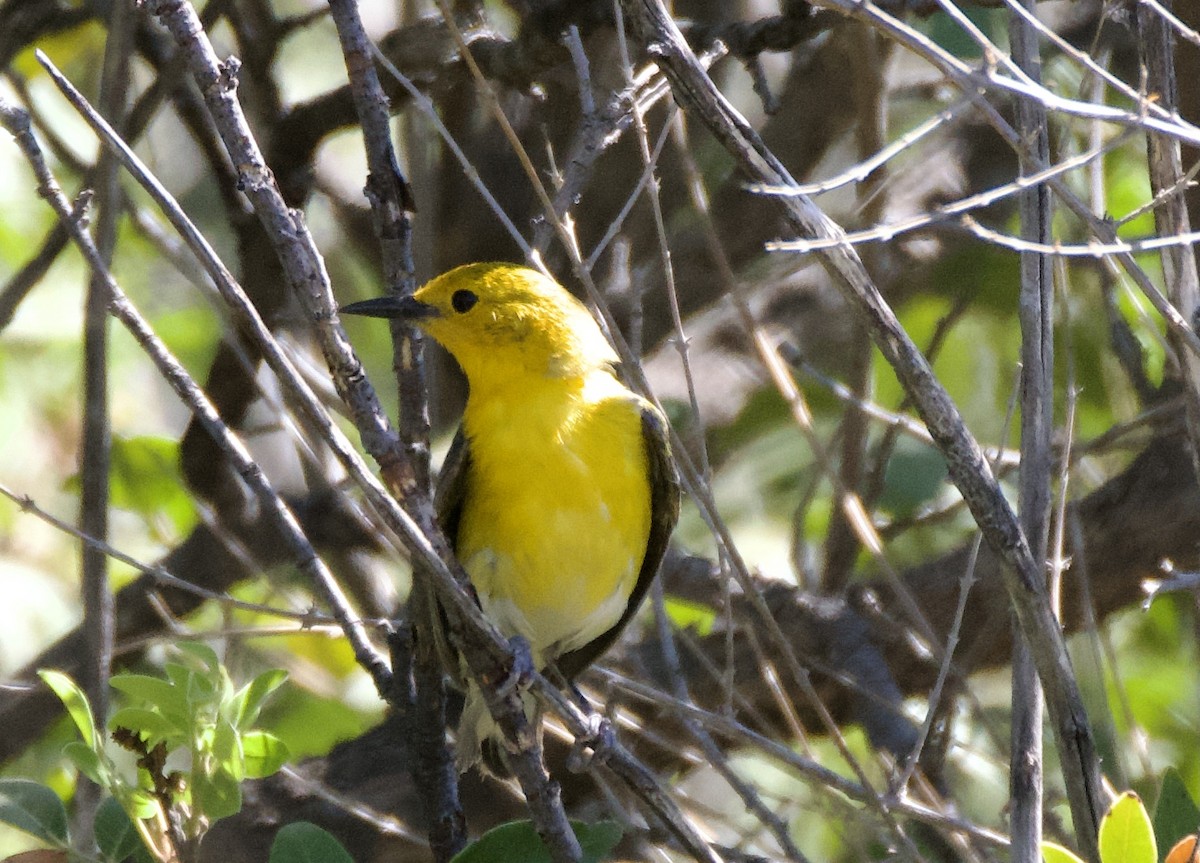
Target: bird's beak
column 408, row 308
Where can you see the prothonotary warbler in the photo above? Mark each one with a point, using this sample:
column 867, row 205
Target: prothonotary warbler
column 565, row 492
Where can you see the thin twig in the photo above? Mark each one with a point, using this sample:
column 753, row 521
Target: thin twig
column 99, row 623
column 969, row 470
column 807, row 768
column 162, row 576
column 974, row 85
column 1156, row 51
column 391, row 207
column 1036, row 314
column 716, row 757
column 17, row 122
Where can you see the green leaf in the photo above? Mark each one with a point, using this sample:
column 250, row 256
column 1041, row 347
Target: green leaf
column 1052, row 853
column 685, row 613
column 145, row 479
column 142, row 804
column 87, row 761
column 218, row 795
column 227, row 750
column 165, row 697
column 1175, row 814
column 75, row 701
column 265, row 753
column 302, row 842
column 33, row 808
column 913, row 477
column 597, row 840
column 207, row 656
column 514, row 842
column 116, row 836
column 179, row 675
column 519, row 842
column 253, row 694
column 1125, row 832
column 151, row 725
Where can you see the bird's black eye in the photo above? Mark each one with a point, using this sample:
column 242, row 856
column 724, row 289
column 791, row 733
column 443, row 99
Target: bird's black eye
column 463, row 301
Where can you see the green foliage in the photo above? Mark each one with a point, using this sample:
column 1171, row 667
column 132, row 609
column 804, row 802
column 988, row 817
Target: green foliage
column 914, row 476
column 1175, row 814
column 685, row 614
column 302, row 842
column 145, row 478
column 951, row 36
column 518, row 842
column 196, row 710
column 199, row 710
column 34, row 809
column 116, row 835
column 76, row 703
column 1126, row 835
column 1126, row 832
column 311, row 724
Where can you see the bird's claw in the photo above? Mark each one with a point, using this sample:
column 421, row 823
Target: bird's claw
column 521, row 670
column 594, row 745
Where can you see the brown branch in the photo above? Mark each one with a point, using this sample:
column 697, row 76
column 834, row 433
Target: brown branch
column 968, row 469
column 1035, row 310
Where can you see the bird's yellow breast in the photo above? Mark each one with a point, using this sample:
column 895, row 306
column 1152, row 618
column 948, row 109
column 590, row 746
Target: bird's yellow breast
column 556, row 512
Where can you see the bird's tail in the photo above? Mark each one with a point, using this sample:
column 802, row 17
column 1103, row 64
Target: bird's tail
column 475, row 726
column 479, row 739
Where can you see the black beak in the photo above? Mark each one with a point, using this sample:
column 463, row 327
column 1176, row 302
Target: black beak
column 406, row 307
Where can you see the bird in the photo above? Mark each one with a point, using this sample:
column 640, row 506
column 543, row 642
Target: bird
column 560, row 492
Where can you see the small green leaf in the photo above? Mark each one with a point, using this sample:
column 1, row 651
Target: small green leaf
column 152, row 726
column 87, row 761
column 34, row 809
column 514, row 842
column 75, row 701
column 179, row 675
column 302, row 842
column 253, row 694
column 597, row 840
column 1125, row 832
column 145, row 478
column 265, row 753
column 1052, row 853
column 1175, row 814
column 201, row 651
column 116, row 836
column 201, row 690
column 519, row 842
column 141, row 804
column 227, row 750
column 218, row 795
column 684, row 613
column 162, row 695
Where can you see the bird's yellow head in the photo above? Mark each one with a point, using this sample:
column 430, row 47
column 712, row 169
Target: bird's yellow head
column 501, row 322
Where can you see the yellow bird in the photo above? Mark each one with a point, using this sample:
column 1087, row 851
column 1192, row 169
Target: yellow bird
column 565, row 492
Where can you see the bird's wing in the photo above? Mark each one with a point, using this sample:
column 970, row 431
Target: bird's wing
column 448, row 499
column 452, row 485
column 664, row 512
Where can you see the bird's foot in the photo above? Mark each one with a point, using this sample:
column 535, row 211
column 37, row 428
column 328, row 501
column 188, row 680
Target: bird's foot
column 520, row 671
column 594, row 745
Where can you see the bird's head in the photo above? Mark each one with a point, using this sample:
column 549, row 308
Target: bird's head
column 501, row 321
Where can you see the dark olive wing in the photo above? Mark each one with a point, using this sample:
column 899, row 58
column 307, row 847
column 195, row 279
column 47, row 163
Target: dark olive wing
column 448, row 500
column 452, row 486
column 664, row 512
